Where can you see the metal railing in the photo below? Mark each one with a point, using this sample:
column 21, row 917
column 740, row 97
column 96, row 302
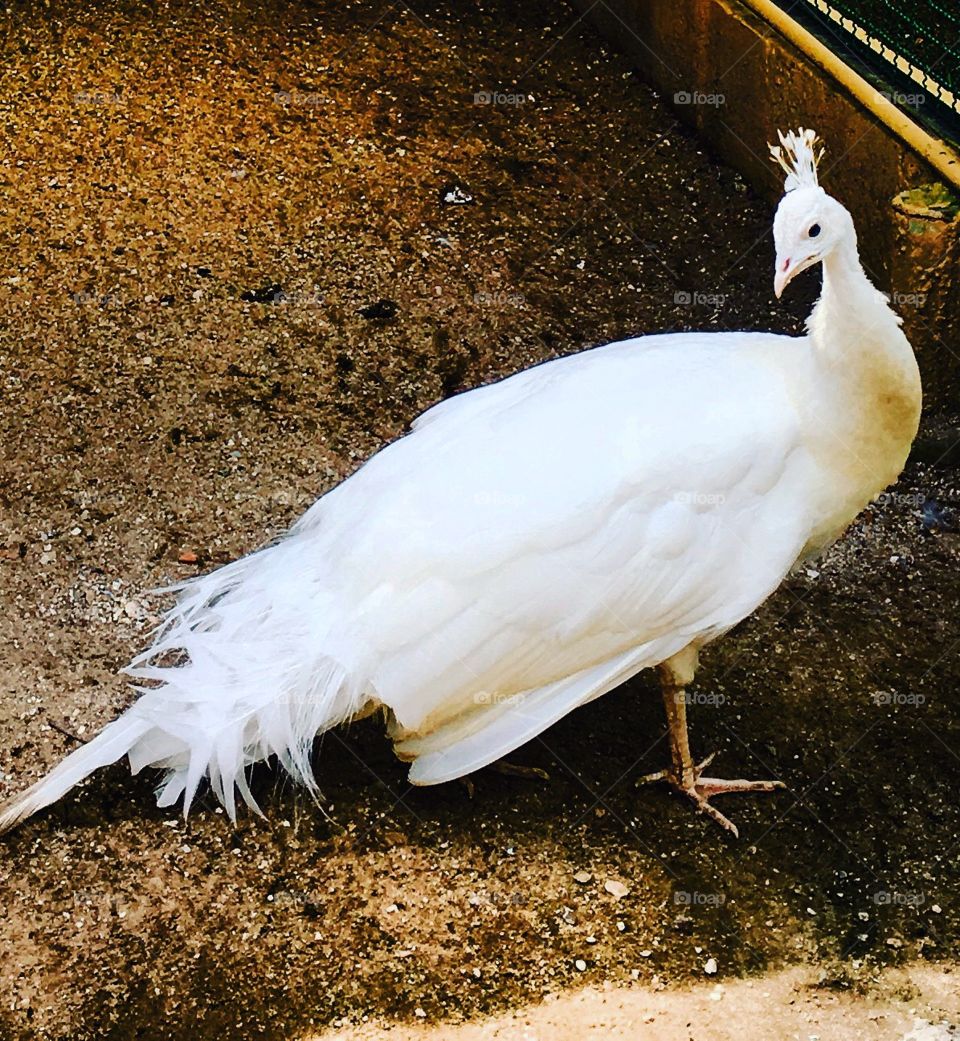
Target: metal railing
column 914, row 44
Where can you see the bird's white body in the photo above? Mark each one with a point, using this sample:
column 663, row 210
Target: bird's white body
column 574, row 524
column 528, row 546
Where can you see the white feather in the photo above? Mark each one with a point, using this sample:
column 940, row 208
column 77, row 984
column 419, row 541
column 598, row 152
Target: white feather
column 529, row 545
column 593, row 510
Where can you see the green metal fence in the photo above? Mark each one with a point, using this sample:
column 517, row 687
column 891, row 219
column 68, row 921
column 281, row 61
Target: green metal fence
column 914, row 44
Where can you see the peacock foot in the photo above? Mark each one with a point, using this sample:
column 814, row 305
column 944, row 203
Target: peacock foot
column 700, row 790
column 501, row 766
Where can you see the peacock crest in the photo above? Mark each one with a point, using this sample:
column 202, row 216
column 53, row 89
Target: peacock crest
column 797, row 154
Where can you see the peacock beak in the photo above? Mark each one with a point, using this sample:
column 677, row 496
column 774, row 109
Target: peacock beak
column 782, row 276
column 787, row 267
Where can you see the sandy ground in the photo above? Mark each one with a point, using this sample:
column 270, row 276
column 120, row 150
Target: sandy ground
column 244, row 246
column 912, row 1005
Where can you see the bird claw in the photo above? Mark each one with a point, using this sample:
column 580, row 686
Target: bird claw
column 669, row 776
column 501, row 766
column 700, row 790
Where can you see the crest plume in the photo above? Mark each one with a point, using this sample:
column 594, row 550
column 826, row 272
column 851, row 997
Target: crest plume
column 798, row 156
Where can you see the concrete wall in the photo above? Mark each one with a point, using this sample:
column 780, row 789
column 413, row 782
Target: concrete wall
column 722, row 49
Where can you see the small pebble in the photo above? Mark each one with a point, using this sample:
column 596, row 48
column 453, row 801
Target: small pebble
column 616, row 889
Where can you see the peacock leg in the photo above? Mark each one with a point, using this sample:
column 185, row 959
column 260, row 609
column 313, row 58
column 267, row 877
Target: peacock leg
column 683, row 774
column 501, row 766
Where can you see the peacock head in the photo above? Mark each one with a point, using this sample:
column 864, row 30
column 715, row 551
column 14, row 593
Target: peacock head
column 809, row 224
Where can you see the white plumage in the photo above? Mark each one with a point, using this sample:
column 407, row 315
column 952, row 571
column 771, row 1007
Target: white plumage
column 533, row 543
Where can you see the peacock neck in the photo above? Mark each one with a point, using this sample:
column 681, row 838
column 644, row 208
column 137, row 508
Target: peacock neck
column 849, row 305
column 854, row 331
column 865, row 400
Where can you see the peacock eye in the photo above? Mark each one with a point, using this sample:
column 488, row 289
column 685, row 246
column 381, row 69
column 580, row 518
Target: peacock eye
column 814, row 231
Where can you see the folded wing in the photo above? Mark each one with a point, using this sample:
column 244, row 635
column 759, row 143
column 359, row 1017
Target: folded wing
column 504, row 564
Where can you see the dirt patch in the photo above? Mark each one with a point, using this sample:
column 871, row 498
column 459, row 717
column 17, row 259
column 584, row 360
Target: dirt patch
column 244, row 246
column 915, row 1005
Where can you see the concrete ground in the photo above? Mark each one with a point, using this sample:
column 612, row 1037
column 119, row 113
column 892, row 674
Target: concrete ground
column 244, row 245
